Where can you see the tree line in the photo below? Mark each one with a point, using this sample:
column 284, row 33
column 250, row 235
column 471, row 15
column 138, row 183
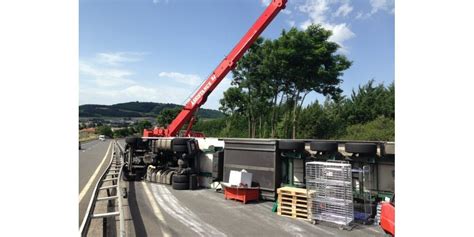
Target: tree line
column 272, row 80
column 367, row 114
column 270, row 84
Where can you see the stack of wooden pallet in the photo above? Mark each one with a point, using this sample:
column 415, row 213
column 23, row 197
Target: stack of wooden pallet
column 293, row 202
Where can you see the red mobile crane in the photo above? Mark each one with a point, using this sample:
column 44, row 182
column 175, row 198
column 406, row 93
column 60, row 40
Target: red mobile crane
column 228, row 63
column 160, row 148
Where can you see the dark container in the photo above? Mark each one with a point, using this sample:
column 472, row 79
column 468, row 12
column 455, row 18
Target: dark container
column 257, row 156
column 218, row 165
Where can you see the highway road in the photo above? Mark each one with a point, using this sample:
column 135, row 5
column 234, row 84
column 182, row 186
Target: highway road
column 157, row 210
column 93, row 160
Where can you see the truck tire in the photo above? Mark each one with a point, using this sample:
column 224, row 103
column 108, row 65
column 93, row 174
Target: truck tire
column 179, row 178
column 364, row 148
column 323, row 146
column 180, row 141
column 127, row 177
column 180, row 186
column 290, row 145
column 193, row 182
column 131, row 140
column 180, row 148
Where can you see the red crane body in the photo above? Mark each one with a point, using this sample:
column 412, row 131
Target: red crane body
column 227, row 64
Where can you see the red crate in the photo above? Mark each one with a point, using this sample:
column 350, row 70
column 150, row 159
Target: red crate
column 241, row 193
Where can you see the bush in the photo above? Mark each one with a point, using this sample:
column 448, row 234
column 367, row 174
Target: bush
column 104, row 130
column 380, row 129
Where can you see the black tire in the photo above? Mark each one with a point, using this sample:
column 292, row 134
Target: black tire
column 131, row 140
column 323, row 146
column 180, row 148
column 290, row 145
column 179, row 178
column 193, row 182
column 180, row 186
column 364, row 148
column 127, row 177
column 180, row 141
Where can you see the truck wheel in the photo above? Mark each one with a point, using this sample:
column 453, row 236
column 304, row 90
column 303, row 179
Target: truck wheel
column 180, row 148
column 290, row 145
column 127, row 177
column 193, row 182
column 180, row 186
column 179, row 178
column 323, row 146
column 365, row 148
column 131, row 140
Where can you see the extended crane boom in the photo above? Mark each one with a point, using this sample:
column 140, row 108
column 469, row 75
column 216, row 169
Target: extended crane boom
column 227, row 64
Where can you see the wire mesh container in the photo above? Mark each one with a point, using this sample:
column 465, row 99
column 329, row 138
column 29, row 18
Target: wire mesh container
column 329, row 186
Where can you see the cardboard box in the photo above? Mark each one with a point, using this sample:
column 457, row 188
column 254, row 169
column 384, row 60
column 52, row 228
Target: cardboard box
column 240, row 177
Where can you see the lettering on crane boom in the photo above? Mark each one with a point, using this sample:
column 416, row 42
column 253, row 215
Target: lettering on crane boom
column 203, row 90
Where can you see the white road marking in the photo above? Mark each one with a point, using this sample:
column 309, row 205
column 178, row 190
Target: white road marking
column 171, row 205
column 89, row 183
column 156, row 209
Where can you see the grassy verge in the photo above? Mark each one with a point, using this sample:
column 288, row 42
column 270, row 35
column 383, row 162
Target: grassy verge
column 84, row 137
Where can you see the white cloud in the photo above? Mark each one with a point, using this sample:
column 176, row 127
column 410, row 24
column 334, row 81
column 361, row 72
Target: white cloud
column 159, row 1
column 105, row 77
column 385, row 5
column 340, row 32
column 118, row 58
column 188, row 79
column 265, row 2
column 286, row 11
column 318, row 10
column 378, row 5
column 161, row 94
column 140, row 92
column 343, row 10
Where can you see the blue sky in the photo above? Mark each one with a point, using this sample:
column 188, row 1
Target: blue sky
column 161, row 50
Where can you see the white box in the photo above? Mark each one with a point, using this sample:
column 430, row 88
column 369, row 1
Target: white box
column 239, row 177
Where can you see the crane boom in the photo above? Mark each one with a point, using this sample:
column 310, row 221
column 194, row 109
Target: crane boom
column 227, row 64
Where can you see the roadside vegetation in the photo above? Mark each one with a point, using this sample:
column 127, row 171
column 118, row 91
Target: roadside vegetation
column 272, row 81
column 270, row 85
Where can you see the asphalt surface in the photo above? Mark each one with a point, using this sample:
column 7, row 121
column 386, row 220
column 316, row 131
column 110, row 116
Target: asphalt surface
column 157, row 210
column 90, row 157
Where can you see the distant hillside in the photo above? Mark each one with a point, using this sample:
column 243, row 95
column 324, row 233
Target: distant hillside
column 137, row 109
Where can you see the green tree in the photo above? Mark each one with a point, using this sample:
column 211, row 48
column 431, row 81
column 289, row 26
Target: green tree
column 166, row 116
column 380, row 129
column 275, row 72
column 254, row 88
column 122, row 132
column 104, row 130
column 369, row 102
column 141, row 125
column 313, row 65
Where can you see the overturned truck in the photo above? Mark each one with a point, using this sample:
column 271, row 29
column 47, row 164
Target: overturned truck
column 177, row 157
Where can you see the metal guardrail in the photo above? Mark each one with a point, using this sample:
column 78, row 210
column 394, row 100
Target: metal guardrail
column 113, row 174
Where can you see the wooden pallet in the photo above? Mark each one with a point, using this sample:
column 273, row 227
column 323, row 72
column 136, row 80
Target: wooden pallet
column 293, row 191
column 296, row 215
column 293, row 202
column 292, row 199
